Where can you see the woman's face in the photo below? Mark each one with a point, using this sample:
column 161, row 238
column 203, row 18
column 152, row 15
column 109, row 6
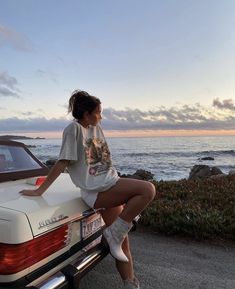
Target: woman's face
column 95, row 116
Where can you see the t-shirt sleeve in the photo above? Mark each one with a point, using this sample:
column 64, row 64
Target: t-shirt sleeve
column 69, row 147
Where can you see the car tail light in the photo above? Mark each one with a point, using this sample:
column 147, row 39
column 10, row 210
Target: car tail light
column 36, row 181
column 17, row 257
column 40, row 180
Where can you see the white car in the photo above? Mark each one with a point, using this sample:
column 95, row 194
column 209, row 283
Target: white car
column 46, row 242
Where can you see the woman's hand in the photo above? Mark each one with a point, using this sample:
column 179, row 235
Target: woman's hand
column 56, row 170
column 36, row 192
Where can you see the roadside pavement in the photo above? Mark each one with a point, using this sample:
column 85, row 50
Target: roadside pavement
column 163, row 262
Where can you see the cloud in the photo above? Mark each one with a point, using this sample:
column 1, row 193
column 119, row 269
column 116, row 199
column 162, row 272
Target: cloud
column 47, row 74
column 16, row 124
column 8, row 85
column 26, row 113
column 36, row 113
column 40, row 73
column 184, row 117
column 7, row 80
column 14, row 39
column 4, row 91
column 225, row 104
column 174, row 118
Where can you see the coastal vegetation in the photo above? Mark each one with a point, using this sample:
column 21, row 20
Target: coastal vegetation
column 202, row 209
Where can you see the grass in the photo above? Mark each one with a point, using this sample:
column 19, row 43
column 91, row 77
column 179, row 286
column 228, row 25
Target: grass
column 202, row 209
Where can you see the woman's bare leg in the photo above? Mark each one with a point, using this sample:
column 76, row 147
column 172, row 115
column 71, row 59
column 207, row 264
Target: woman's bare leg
column 135, row 194
column 125, row 269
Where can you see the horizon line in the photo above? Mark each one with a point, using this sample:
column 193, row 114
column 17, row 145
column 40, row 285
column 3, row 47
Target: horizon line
column 132, row 133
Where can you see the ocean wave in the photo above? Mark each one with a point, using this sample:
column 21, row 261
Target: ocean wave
column 157, row 154
column 179, row 154
column 218, row 152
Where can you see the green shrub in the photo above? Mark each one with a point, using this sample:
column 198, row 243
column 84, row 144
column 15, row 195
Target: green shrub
column 200, row 209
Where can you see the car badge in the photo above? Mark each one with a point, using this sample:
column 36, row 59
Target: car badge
column 51, row 221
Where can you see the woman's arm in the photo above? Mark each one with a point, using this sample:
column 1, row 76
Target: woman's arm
column 56, row 170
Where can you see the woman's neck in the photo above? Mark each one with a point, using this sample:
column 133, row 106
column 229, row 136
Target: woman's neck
column 83, row 123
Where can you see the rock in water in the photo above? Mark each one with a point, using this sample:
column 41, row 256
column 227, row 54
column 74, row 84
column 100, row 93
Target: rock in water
column 206, row 159
column 144, row 175
column 199, row 172
column 216, row 171
column 203, row 171
column 139, row 175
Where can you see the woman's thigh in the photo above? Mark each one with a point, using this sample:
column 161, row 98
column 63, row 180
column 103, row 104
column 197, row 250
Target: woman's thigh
column 123, row 190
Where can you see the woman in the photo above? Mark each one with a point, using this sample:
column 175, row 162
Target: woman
column 85, row 153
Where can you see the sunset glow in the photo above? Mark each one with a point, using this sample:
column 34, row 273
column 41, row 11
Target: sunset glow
column 137, row 133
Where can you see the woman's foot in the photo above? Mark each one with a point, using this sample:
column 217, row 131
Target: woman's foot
column 131, row 284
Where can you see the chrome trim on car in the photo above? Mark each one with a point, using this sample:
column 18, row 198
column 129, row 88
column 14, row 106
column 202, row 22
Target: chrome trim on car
column 58, row 279
column 53, row 282
column 87, row 260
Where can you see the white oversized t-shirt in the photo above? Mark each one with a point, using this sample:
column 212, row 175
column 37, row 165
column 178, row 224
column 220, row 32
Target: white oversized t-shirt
column 90, row 165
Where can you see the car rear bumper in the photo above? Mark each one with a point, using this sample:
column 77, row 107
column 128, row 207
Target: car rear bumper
column 70, row 275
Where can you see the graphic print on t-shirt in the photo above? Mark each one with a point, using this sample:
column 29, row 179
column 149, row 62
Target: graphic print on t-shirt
column 97, row 156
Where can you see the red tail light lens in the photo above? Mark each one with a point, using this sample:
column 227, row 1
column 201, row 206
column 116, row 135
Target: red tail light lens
column 39, row 181
column 17, row 257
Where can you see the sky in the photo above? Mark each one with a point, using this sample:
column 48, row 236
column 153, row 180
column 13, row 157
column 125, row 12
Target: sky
column 159, row 67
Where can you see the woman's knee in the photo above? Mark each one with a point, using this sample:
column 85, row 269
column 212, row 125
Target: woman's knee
column 149, row 191
column 110, row 215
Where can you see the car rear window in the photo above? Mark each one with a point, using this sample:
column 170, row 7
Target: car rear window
column 17, row 162
column 16, row 158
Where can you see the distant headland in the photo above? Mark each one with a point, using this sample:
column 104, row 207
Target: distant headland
column 17, row 137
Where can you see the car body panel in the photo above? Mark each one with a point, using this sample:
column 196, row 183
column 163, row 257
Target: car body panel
column 14, row 227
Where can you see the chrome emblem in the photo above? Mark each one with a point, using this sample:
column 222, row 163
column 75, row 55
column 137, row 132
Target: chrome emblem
column 51, row 221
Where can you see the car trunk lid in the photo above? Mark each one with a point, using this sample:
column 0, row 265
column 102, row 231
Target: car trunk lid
column 60, row 204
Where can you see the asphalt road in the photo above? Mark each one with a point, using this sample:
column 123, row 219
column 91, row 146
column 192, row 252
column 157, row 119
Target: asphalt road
column 170, row 263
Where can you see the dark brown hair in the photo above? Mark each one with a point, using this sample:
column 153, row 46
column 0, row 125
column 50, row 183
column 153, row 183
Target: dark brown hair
column 81, row 102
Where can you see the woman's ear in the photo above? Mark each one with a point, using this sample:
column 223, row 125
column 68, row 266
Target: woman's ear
column 85, row 114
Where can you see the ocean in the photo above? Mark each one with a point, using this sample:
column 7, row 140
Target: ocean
column 168, row 158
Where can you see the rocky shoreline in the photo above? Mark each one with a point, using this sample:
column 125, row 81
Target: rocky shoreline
column 198, row 172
